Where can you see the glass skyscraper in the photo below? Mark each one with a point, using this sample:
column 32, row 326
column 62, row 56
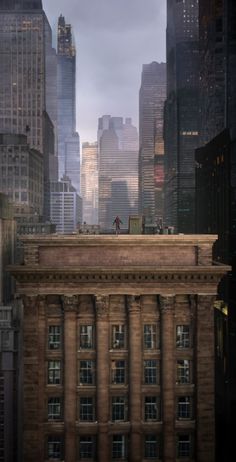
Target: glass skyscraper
column 68, row 139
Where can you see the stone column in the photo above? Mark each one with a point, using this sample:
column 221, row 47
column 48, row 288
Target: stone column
column 33, row 443
column 102, row 376
column 42, row 379
column 205, row 392
column 135, row 376
column 168, row 371
column 70, row 304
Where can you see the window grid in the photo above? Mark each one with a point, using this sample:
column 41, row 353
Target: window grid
column 151, row 408
column 118, row 447
column 87, row 409
column 86, row 447
column 119, row 408
column 55, row 447
column 150, row 372
column 118, row 336
column 54, row 337
column 183, row 371
column 118, row 371
column 150, row 447
column 54, row 372
column 54, row 408
column 86, row 337
column 184, row 407
column 184, row 445
column 183, row 336
column 150, row 336
column 87, row 372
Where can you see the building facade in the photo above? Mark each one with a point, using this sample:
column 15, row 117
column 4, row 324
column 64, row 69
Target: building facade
column 21, row 175
column 117, row 170
column 181, row 113
column 65, row 206
column 118, row 347
column 89, row 182
column 151, row 162
column 7, row 248
column 68, row 138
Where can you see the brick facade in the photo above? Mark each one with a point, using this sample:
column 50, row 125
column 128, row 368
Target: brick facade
column 131, row 358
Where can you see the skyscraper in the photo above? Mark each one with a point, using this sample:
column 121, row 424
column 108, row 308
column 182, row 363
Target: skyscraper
column 25, row 78
column 216, row 173
column 118, row 170
column 68, row 139
column 181, row 113
column 151, row 163
column 89, row 182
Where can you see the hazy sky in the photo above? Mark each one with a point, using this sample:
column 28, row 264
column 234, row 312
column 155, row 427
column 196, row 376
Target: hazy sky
column 113, row 39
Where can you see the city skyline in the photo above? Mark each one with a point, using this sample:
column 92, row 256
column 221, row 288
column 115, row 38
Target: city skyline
column 101, row 34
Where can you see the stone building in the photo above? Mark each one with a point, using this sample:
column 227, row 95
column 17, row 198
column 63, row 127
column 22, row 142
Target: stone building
column 118, row 347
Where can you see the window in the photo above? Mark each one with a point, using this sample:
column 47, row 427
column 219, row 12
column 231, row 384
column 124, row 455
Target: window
column 118, row 447
column 55, row 447
column 118, row 371
column 87, row 372
column 119, row 408
column 86, row 447
column 184, row 407
column 183, row 446
column 150, row 336
column 183, row 371
column 118, row 336
column 54, row 337
column 150, row 372
column 86, row 337
column 86, row 413
column 183, row 336
column 150, row 447
column 54, row 408
column 54, row 372
column 151, row 408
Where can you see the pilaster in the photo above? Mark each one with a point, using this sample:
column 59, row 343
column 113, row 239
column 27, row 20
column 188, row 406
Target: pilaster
column 102, row 344
column 168, row 368
column 70, row 304
column 135, row 375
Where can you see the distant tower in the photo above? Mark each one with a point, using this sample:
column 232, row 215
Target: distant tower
column 89, row 182
column 118, row 170
column 68, row 139
column 151, row 114
column 181, row 113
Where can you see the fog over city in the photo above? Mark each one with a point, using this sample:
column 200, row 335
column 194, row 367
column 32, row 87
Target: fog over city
column 113, row 39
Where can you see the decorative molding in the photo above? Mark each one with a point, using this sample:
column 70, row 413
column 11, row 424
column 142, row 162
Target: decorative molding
column 134, row 303
column 29, row 301
column 102, row 306
column 97, row 277
column 70, row 303
column 167, row 303
column 204, row 300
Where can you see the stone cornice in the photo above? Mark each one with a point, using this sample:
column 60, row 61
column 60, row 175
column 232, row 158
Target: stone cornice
column 175, row 279
column 54, row 240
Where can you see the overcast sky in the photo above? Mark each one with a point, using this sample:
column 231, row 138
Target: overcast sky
column 113, row 39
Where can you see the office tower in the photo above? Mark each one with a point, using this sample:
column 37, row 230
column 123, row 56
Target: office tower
column 65, row 206
column 27, row 77
column 21, row 175
column 217, row 167
column 151, row 155
column 89, row 182
column 118, row 170
column 118, row 347
column 68, row 138
column 181, row 113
